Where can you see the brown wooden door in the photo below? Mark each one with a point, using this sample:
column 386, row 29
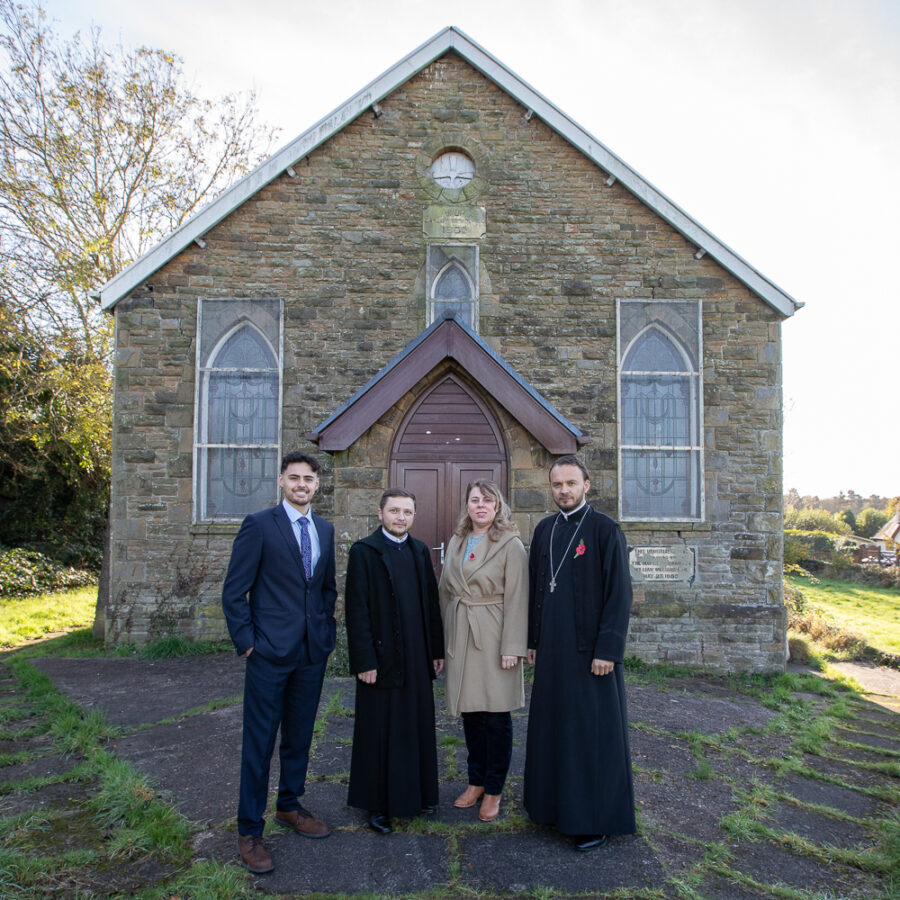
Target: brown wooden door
column 447, row 440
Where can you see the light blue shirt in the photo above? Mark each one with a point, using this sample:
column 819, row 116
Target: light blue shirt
column 295, row 516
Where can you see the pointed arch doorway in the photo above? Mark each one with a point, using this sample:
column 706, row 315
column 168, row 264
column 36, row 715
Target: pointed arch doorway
column 448, row 439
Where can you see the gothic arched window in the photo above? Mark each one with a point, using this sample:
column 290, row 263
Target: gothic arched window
column 452, row 274
column 239, row 421
column 660, row 446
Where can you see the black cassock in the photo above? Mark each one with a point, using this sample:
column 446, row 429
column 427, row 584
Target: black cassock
column 578, row 760
column 393, row 767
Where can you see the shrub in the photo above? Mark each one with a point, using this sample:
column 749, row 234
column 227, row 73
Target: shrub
column 29, row 572
column 802, row 545
column 808, row 519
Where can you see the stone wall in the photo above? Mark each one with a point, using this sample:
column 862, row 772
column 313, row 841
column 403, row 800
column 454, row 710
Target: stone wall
column 342, row 244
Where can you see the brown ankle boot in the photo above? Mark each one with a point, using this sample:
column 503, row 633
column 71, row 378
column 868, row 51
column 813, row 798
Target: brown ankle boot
column 254, row 854
column 469, row 797
column 490, row 807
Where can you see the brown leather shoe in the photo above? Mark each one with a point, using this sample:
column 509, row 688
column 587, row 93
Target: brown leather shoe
column 254, row 854
column 303, row 822
column 490, row 807
column 469, row 797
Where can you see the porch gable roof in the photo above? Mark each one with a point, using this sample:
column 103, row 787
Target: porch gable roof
column 448, row 338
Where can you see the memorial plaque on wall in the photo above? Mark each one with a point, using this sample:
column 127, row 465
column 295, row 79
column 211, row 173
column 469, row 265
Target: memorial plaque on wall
column 460, row 223
column 663, row 564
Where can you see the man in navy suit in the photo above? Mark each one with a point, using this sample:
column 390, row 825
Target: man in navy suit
column 278, row 599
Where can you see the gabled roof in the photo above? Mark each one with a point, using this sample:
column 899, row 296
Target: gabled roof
column 449, row 39
column 448, row 339
column 890, row 531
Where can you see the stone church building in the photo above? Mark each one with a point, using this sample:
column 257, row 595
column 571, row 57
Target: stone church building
column 448, row 278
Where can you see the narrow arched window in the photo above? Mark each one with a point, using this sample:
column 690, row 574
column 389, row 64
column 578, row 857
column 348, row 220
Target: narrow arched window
column 452, row 274
column 239, row 415
column 660, row 449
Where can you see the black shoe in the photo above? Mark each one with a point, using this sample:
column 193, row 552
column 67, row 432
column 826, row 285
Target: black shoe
column 589, row 841
column 380, row 823
column 429, row 810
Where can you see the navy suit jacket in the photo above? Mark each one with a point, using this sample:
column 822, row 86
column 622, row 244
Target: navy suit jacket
column 268, row 603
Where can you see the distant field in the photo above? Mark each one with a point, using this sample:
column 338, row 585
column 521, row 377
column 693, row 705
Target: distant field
column 869, row 611
column 25, row 618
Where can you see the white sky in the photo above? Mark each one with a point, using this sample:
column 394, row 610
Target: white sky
column 774, row 123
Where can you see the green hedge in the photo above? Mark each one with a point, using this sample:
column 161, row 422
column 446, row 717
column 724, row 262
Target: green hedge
column 29, row 572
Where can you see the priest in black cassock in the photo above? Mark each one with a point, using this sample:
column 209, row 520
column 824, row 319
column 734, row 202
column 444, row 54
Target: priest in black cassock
column 396, row 644
column 578, row 760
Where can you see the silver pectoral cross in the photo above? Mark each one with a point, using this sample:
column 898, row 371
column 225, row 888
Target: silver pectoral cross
column 552, row 585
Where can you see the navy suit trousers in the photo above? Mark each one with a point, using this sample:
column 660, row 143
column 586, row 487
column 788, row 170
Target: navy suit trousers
column 286, row 694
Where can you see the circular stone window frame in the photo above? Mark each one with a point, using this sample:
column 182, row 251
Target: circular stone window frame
column 447, row 142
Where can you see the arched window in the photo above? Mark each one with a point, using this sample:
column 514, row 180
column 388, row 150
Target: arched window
column 452, row 274
column 238, row 431
column 452, row 283
column 659, row 426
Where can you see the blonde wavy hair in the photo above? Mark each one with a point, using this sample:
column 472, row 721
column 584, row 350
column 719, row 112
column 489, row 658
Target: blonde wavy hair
column 502, row 523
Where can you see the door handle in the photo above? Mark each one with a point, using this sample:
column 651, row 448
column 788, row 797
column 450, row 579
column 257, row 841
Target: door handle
column 441, row 548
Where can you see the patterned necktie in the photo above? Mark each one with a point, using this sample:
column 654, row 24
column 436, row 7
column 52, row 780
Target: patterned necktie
column 305, row 547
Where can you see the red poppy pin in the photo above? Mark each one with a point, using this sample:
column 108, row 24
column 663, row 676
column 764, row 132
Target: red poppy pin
column 580, row 549
column 472, row 555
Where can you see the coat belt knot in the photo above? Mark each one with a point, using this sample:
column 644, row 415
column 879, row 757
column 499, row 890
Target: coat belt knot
column 467, row 607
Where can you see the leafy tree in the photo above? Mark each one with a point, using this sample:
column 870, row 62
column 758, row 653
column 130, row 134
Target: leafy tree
column 808, row 519
column 846, row 515
column 102, row 153
column 870, row 520
column 892, row 505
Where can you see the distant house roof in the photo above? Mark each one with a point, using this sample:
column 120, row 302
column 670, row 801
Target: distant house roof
column 449, row 39
column 448, row 339
column 890, row 531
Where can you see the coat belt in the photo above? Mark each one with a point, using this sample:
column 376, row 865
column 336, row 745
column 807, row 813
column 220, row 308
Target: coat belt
column 468, row 606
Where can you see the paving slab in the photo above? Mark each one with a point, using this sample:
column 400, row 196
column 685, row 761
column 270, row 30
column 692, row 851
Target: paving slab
column 661, row 752
column 773, row 865
column 677, row 855
column 137, row 691
column 194, row 761
column 683, row 804
column 350, row 862
column 721, row 887
column 51, row 796
column 518, row 862
column 671, row 711
column 882, row 739
column 823, row 793
column 38, row 767
column 818, row 828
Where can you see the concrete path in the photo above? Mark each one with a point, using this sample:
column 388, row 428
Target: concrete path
column 721, row 812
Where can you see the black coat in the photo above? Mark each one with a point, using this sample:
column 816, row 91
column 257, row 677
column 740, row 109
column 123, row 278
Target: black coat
column 372, row 611
column 602, row 588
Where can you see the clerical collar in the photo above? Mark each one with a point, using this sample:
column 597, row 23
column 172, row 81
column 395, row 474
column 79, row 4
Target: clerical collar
column 391, row 537
column 576, row 513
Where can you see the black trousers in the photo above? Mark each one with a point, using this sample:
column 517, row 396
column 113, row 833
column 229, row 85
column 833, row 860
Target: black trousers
column 489, row 742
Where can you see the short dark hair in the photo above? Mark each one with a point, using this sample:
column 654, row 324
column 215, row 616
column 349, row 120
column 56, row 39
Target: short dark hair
column 396, row 492
column 570, row 460
column 298, row 456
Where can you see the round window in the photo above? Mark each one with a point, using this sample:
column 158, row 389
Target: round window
column 452, row 169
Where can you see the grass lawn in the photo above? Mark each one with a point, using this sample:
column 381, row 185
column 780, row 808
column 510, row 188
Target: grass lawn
column 872, row 612
column 25, row 618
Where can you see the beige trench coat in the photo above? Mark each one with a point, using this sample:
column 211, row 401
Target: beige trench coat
column 484, row 605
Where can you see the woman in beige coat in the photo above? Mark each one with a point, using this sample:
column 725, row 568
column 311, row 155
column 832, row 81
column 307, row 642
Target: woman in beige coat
column 484, row 604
